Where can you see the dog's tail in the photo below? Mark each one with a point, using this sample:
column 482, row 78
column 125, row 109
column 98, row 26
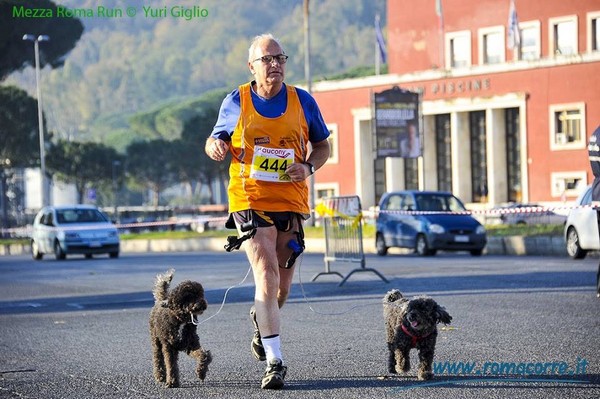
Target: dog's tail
column 161, row 286
column 392, row 296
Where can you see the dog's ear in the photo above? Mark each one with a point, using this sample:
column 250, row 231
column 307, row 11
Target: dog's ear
column 442, row 315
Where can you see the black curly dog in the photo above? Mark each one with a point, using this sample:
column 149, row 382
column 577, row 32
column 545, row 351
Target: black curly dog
column 173, row 328
column 412, row 324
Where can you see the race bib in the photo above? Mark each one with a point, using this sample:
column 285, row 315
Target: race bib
column 270, row 164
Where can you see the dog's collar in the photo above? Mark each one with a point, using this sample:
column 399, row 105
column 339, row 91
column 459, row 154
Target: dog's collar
column 414, row 338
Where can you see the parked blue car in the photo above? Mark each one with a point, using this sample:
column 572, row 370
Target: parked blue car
column 427, row 221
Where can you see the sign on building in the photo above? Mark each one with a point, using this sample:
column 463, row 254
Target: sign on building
column 397, row 123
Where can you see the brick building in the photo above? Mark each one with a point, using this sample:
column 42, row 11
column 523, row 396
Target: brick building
column 498, row 123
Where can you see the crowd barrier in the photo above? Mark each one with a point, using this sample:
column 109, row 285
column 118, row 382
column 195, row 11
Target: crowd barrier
column 342, row 222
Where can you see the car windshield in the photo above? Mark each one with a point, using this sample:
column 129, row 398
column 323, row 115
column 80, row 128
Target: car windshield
column 79, row 216
column 438, row 203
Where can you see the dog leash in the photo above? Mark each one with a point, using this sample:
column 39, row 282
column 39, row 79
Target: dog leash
column 306, row 300
column 198, row 323
column 304, row 296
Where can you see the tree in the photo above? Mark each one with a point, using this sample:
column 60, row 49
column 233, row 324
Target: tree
column 197, row 125
column 85, row 165
column 187, row 124
column 18, row 129
column 19, row 138
column 16, row 53
column 151, row 164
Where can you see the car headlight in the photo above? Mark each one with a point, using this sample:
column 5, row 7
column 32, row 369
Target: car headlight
column 437, row 229
column 480, row 230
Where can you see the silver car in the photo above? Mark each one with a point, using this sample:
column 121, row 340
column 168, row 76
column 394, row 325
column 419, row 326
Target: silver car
column 75, row 229
column 581, row 228
column 531, row 214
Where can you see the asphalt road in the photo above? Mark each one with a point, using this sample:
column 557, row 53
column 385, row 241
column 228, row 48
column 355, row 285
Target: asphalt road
column 78, row 328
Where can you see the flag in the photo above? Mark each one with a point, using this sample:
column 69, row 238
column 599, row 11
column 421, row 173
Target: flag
column 380, row 41
column 514, row 35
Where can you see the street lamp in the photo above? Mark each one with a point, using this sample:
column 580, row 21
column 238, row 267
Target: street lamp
column 36, row 40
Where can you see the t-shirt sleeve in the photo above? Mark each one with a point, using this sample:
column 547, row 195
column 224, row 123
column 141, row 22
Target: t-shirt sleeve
column 229, row 114
column 317, row 130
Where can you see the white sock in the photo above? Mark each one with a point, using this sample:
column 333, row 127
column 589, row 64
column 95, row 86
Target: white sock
column 272, row 347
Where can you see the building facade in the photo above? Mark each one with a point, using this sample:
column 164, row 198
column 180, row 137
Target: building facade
column 499, row 122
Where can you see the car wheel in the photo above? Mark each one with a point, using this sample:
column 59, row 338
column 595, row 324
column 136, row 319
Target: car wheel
column 113, row 255
column 58, row 251
column 573, row 248
column 380, row 246
column 598, row 282
column 35, row 251
column 422, row 247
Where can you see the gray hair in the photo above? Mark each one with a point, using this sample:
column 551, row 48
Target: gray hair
column 258, row 39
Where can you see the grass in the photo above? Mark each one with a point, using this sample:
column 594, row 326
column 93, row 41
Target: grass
column 503, row 230
column 317, row 232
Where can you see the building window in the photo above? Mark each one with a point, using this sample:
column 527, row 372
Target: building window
column 333, row 143
column 513, row 155
column 479, row 180
column 325, row 190
column 530, row 40
column 568, row 184
column 563, row 36
column 443, row 152
column 491, row 45
column 593, row 32
column 567, row 126
column 458, row 49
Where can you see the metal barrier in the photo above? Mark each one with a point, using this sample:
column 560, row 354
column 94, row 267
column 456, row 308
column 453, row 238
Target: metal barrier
column 342, row 221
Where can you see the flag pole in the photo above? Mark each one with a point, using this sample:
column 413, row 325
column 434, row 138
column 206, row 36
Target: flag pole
column 379, row 46
column 440, row 13
column 377, row 67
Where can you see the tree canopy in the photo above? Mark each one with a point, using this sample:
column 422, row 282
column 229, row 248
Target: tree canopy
column 16, row 53
column 85, row 165
column 18, row 128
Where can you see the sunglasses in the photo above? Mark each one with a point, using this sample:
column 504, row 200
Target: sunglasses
column 268, row 59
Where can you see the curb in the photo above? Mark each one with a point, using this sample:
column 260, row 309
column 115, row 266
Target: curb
column 512, row 245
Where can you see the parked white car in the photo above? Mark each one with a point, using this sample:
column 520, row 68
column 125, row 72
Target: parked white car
column 75, row 229
column 581, row 228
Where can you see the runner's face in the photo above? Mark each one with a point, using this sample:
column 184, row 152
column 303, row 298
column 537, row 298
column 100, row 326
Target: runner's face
column 271, row 73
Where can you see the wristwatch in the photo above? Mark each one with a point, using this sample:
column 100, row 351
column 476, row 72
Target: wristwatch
column 311, row 167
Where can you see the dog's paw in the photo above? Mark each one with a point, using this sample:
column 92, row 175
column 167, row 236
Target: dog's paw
column 172, row 384
column 425, row 375
column 402, row 368
column 202, row 368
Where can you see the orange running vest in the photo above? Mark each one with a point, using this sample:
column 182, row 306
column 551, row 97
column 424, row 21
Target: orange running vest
column 262, row 149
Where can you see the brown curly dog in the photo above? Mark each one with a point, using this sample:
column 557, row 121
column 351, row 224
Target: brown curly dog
column 412, row 324
column 173, row 328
